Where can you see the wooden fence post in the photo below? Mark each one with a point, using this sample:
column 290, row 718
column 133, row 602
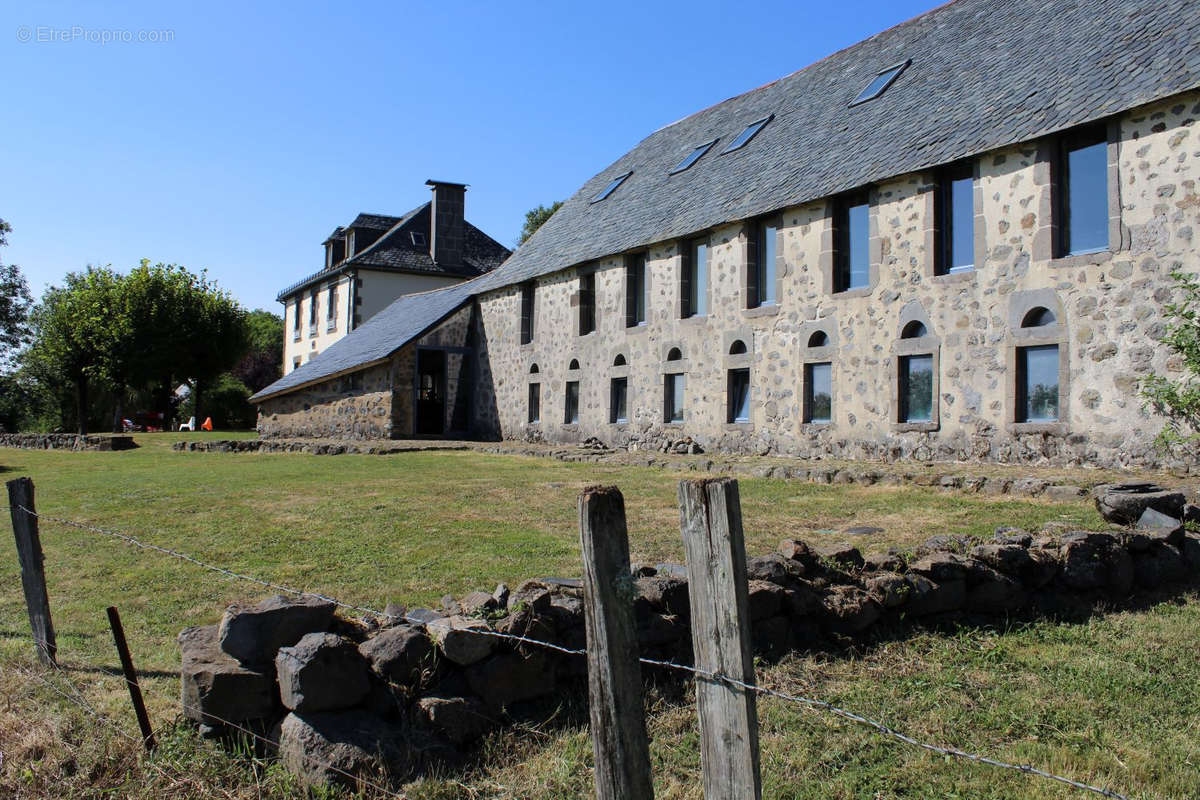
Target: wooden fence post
column 618, row 716
column 710, row 515
column 33, row 575
column 131, row 678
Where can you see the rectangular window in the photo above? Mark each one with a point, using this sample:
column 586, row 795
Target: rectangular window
column 1083, row 193
column 916, row 389
column 954, row 212
column 739, row 395
column 693, row 279
column 296, row 319
column 635, row 290
column 760, row 280
column 312, row 308
column 526, row 313
column 587, row 303
column 818, row 393
column 1037, row 384
column 617, row 410
column 571, row 405
column 852, row 239
column 673, row 392
column 535, row 402
column 331, row 305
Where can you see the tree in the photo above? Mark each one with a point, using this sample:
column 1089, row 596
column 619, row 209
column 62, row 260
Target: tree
column 263, row 363
column 77, row 332
column 536, row 218
column 215, row 337
column 1179, row 400
column 15, row 302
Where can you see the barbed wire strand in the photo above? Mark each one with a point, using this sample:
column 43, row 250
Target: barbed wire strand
column 699, row 673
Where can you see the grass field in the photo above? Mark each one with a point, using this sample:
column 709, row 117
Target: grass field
column 1113, row 700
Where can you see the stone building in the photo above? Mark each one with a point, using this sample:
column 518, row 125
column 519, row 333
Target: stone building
column 376, row 259
column 952, row 240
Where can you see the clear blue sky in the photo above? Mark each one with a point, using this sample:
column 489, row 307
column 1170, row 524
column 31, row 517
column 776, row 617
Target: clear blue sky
column 242, row 141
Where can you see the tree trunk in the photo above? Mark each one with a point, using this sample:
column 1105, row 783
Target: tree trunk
column 197, row 385
column 81, row 399
column 164, row 403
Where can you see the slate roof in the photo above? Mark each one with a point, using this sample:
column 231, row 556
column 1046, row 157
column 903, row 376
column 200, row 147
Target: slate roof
column 395, row 251
column 984, row 74
column 379, row 222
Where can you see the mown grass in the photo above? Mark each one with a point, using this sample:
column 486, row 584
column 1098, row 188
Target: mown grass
column 1114, row 699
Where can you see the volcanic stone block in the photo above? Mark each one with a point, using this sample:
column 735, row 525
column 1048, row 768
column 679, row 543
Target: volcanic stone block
column 889, row 589
column 321, row 672
column 663, row 594
column 216, row 688
column 848, row 609
column 511, row 678
column 333, row 747
column 459, row 719
column 1124, row 503
column 766, row 599
column 254, row 635
column 928, row 597
column 460, row 639
column 1159, row 565
column 402, row 654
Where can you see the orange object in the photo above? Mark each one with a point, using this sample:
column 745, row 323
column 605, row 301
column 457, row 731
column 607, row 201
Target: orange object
column 207, row 426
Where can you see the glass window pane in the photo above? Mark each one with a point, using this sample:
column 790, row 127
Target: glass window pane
column 1039, row 372
column 739, row 395
column 619, row 413
column 961, row 250
column 1086, row 207
column 820, row 393
column 858, row 238
column 572, row 402
column 700, row 279
column 766, row 266
column 674, row 386
column 746, row 135
column 535, row 402
column 916, row 373
column 692, row 157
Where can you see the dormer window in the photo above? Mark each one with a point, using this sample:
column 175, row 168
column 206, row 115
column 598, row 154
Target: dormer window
column 611, row 187
column 749, row 133
column 881, row 82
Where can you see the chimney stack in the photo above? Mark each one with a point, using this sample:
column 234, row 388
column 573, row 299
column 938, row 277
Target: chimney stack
column 447, row 227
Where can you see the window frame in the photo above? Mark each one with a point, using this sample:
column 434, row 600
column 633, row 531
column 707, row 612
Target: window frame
column 534, row 403
column 943, row 220
column 568, row 417
column 1069, row 142
column 758, row 272
column 615, row 382
column 732, row 375
column 610, row 187
column 693, row 285
column 674, row 389
column 586, row 318
column 528, row 302
column 835, row 252
column 1020, row 305
column 751, row 130
column 636, row 298
column 897, row 68
column 903, row 349
column 698, row 152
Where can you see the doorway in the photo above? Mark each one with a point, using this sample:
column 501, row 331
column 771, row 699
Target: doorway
column 431, row 392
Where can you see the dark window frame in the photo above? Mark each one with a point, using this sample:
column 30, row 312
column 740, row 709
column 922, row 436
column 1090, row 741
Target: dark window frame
column 610, row 187
column 842, row 268
column 528, row 309
column 733, row 376
column 693, row 287
column 673, row 393
column 1066, row 143
column 747, row 135
column 618, row 386
column 635, row 290
column 810, row 396
column 762, row 271
column 571, row 403
column 945, row 224
column 904, row 413
column 897, row 70
column 535, row 402
column 1022, row 384
column 587, row 303
column 698, row 152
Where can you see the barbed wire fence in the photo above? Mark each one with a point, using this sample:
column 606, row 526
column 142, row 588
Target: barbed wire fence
column 808, row 703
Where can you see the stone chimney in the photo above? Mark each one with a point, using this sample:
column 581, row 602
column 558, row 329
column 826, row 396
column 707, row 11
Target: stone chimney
column 447, row 227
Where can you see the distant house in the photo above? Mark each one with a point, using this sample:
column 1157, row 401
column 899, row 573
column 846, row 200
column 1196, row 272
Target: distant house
column 952, row 240
column 378, row 258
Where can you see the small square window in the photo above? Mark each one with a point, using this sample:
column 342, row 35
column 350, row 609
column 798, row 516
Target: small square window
column 692, row 157
column 881, row 82
column 571, row 404
column 418, row 238
column 618, row 409
column 818, row 393
column 749, row 133
column 739, row 396
column 916, row 388
column 1037, row 384
column 611, row 187
column 673, row 392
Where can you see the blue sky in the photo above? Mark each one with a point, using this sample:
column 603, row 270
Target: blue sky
column 241, row 140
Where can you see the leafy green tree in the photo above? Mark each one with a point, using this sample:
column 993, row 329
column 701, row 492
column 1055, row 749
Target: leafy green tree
column 536, row 218
column 15, row 302
column 263, row 363
column 78, row 329
column 1179, row 399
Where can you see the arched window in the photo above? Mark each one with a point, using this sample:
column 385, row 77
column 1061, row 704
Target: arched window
column 1038, row 318
column 914, row 330
column 533, row 370
column 737, row 348
column 574, row 364
column 818, row 339
column 619, row 361
column 674, row 354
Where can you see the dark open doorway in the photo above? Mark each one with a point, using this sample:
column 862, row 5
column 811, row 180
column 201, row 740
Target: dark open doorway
column 431, row 392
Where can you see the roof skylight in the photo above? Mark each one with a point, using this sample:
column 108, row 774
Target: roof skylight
column 692, row 157
column 881, row 82
column 612, row 187
column 745, row 136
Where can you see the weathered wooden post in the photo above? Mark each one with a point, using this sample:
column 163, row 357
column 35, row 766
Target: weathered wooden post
column 710, row 515
column 131, row 678
column 618, row 717
column 33, row 575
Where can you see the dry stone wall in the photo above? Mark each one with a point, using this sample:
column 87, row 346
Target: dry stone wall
column 401, row 692
column 65, row 441
column 1109, row 305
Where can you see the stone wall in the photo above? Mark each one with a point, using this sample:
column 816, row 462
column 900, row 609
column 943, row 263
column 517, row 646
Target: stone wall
column 1109, row 305
column 402, row 692
column 356, row 406
column 65, row 441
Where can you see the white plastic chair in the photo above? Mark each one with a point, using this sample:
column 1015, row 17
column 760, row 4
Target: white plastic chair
column 190, row 425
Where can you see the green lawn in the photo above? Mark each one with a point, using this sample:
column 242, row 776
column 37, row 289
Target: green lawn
column 1114, row 700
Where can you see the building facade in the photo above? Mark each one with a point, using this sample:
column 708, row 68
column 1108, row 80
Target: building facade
column 378, row 258
column 771, row 277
